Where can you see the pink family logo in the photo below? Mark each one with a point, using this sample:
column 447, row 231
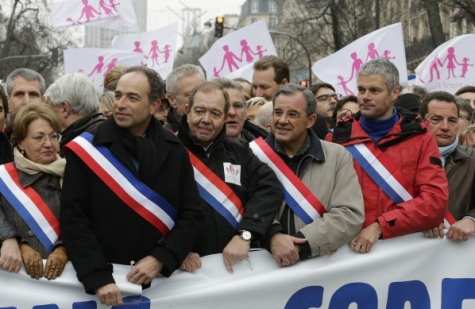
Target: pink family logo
column 356, row 65
column 88, row 11
column 231, row 170
column 230, row 57
column 451, row 60
column 153, row 54
column 101, row 69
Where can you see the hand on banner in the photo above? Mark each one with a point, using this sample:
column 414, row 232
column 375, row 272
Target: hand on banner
column 435, row 232
column 284, row 249
column 109, row 295
column 235, row 251
column 32, row 261
column 10, row 255
column 191, row 263
column 55, row 263
column 366, row 238
column 145, row 270
column 461, row 230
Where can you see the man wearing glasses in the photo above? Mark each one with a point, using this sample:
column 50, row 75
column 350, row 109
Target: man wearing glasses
column 326, row 101
column 396, row 159
column 323, row 207
column 442, row 112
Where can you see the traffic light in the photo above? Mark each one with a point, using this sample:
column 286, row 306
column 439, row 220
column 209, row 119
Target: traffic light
column 304, row 83
column 219, row 27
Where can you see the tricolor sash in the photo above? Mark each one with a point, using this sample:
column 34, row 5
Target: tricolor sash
column 296, row 194
column 30, row 206
column 216, row 192
column 385, row 174
column 131, row 190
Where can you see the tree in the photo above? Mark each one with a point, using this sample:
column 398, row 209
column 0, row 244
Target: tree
column 29, row 40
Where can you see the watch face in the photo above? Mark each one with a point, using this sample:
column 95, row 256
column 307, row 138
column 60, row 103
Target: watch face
column 246, row 235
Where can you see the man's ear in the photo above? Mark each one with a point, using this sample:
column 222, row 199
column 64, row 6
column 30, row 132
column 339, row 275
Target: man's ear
column 311, row 121
column 155, row 106
column 284, row 81
column 66, row 110
column 172, row 100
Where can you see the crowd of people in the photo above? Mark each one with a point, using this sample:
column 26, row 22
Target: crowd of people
column 158, row 174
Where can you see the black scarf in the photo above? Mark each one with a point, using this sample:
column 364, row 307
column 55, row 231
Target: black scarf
column 142, row 149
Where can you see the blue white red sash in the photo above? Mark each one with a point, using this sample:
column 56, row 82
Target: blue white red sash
column 131, row 190
column 216, row 192
column 296, row 194
column 30, row 206
column 386, row 175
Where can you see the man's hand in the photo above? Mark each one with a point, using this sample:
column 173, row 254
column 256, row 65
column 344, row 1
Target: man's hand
column 145, row 270
column 191, row 263
column 32, row 261
column 55, row 263
column 461, row 230
column 235, row 251
column 284, row 249
column 435, row 232
column 109, row 295
column 364, row 241
column 10, row 255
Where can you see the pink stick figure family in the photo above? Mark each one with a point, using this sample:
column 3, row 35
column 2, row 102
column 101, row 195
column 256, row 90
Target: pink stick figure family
column 451, row 60
column 357, row 62
column 154, row 52
column 88, row 11
column 246, row 54
column 98, row 68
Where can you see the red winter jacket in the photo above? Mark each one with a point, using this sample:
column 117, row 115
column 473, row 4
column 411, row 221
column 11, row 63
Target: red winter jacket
column 414, row 151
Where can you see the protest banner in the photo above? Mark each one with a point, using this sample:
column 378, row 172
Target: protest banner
column 157, row 47
column 405, row 272
column 236, row 50
column 111, row 14
column 450, row 66
column 97, row 62
column 341, row 68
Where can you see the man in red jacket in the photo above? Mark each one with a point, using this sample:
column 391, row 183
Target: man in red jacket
column 397, row 160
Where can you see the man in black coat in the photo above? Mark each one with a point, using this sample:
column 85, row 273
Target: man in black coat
column 98, row 225
column 251, row 193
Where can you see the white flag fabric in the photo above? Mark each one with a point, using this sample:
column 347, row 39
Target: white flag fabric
column 341, row 69
column 157, row 47
column 111, row 14
column 238, row 49
column 450, row 66
column 97, row 62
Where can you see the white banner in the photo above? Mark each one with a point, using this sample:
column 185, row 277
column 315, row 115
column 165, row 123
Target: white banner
column 111, row 14
column 97, row 62
column 341, row 68
column 237, row 50
column 425, row 273
column 157, row 47
column 450, row 66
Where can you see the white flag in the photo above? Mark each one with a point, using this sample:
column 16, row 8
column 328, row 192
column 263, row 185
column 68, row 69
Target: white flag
column 238, row 49
column 111, row 14
column 157, row 47
column 97, row 62
column 450, row 66
column 341, row 68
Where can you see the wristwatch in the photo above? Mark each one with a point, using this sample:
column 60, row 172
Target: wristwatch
column 245, row 235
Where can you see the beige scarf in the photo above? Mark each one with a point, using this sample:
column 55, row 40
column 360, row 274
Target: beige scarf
column 55, row 168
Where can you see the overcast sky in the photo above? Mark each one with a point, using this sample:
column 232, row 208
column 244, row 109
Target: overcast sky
column 159, row 15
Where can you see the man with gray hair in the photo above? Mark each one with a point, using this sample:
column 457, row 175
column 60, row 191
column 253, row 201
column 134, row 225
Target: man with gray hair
column 23, row 85
column 328, row 213
column 396, row 159
column 73, row 99
column 180, row 83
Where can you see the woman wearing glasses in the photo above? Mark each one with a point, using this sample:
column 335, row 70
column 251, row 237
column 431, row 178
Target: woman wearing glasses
column 30, row 190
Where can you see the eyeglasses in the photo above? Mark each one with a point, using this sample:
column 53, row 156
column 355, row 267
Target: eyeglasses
column 279, row 113
column 326, row 97
column 41, row 139
column 437, row 119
